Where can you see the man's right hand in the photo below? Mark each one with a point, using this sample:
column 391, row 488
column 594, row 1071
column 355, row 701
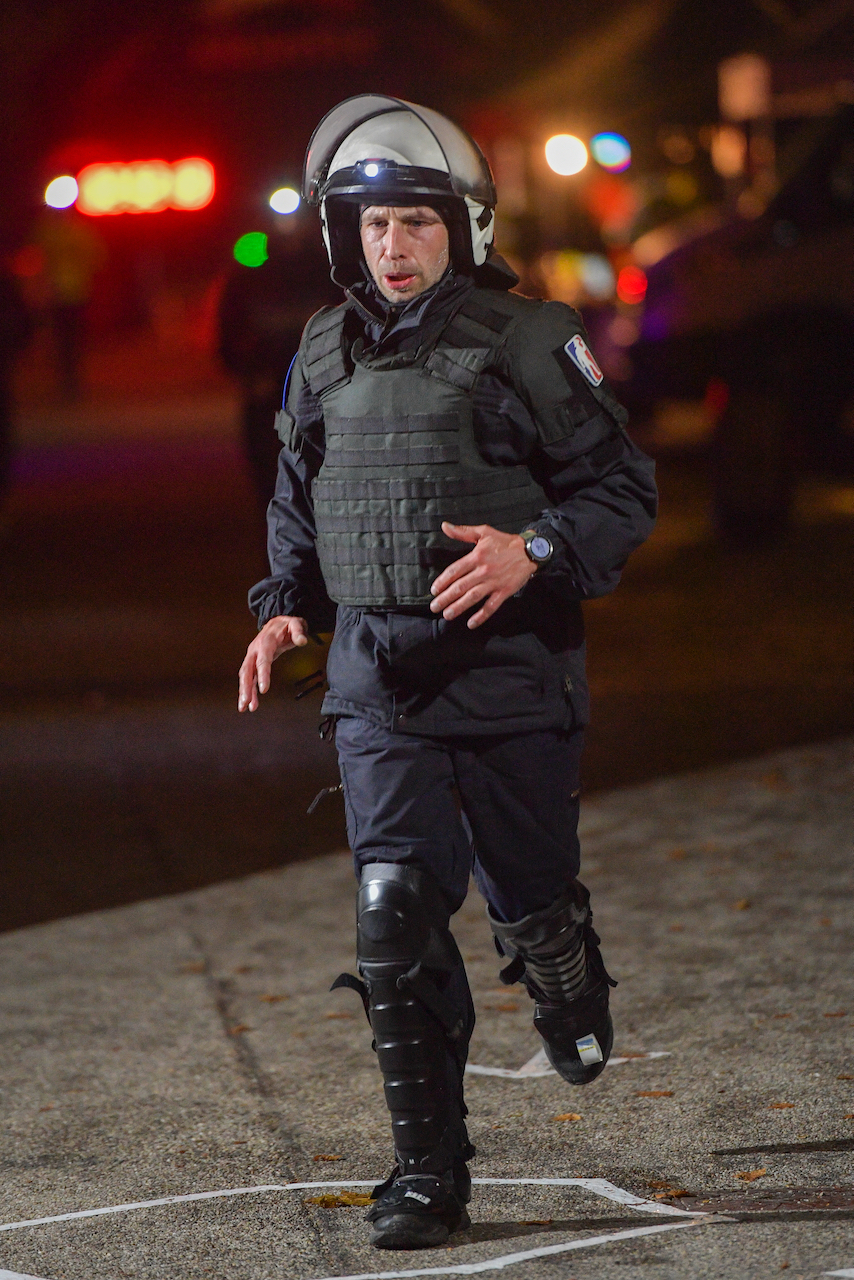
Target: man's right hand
column 275, row 638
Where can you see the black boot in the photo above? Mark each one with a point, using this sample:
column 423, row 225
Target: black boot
column 420, row 1010
column 555, row 952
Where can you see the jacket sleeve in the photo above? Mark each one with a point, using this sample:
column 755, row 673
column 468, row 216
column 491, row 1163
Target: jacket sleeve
column 295, row 584
column 601, row 486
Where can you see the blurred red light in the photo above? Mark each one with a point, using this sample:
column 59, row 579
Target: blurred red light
column 631, row 285
column 145, row 186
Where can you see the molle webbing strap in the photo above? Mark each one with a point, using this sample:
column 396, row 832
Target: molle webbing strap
column 322, row 349
column 418, row 439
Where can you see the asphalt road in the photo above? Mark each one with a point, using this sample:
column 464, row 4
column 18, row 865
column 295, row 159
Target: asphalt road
column 126, row 549
column 189, row 1047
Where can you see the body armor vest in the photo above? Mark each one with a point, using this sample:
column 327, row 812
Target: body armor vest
column 401, row 457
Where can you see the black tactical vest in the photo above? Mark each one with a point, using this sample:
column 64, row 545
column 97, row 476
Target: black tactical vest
column 401, row 454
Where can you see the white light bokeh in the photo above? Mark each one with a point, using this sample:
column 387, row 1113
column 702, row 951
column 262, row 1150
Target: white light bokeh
column 285, row 200
column 62, row 192
column 566, row 154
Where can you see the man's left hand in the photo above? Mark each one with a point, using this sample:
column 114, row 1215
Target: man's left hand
column 495, row 570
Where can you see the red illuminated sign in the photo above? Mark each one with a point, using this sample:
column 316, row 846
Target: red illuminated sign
column 145, row 186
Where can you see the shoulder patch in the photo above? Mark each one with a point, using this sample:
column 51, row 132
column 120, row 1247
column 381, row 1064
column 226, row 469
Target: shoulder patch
column 583, row 359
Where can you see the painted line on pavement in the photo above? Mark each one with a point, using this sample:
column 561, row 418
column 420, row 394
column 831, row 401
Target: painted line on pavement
column 849, row 1271
column 508, row 1259
column 539, row 1065
column 16, row 1275
column 598, row 1186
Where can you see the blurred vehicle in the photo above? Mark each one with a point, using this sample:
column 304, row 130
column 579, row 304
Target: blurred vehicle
column 757, row 316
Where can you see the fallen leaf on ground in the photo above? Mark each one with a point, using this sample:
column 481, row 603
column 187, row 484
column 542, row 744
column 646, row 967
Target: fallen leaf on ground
column 342, row 1200
column 49, row 1107
column 663, row 1185
column 239, row 1029
column 536, row 1222
column 677, row 928
column 324, row 1157
column 845, row 1077
column 246, row 968
column 781, row 1106
column 850, row 1116
column 677, row 854
column 676, row 1194
column 743, row 904
column 273, row 999
column 840, row 1013
column 568, row 1115
column 337, row 1015
column 784, row 1015
column 192, row 968
column 826, row 921
column 654, row 1093
column 750, row 1175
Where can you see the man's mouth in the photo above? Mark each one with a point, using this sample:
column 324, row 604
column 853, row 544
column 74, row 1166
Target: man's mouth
column 399, row 280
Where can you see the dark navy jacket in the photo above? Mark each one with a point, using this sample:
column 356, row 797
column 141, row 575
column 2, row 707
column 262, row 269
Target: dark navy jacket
column 524, row 668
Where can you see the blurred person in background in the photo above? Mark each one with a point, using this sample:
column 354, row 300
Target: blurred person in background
column 456, row 477
column 261, row 317
column 16, row 329
column 73, row 254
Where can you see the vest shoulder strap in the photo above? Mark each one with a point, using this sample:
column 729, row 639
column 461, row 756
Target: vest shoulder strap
column 323, row 351
column 469, row 340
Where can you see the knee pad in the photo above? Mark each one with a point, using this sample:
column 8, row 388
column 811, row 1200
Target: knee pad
column 400, row 916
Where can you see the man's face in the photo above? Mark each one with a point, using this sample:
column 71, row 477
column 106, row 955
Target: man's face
column 406, row 249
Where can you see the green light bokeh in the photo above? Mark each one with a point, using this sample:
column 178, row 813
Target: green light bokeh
column 251, row 249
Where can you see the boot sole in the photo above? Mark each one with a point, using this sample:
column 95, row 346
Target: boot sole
column 412, row 1231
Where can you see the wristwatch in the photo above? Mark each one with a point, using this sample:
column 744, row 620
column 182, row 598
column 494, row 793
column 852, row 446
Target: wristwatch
column 538, row 547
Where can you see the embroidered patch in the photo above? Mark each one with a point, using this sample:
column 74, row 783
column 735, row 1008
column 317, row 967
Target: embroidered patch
column 582, row 357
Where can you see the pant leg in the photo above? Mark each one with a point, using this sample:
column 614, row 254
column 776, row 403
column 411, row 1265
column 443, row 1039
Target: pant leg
column 400, row 804
column 400, row 808
column 520, row 796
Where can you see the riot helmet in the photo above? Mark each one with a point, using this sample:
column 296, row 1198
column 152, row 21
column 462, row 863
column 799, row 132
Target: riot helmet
column 373, row 149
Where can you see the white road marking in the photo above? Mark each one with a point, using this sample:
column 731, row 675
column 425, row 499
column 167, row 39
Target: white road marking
column 598, row 1186
column 539, row 1065
column 197, row 1195
column 848, row 1272
column 508, row 1259
column 16, row 1275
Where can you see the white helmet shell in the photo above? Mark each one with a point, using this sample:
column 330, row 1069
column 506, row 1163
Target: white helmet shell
column 377, row 149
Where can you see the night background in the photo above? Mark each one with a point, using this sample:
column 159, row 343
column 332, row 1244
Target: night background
column 143, row 353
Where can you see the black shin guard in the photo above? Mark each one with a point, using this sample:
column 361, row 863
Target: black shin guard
column 421, row 1015
column 555, row 952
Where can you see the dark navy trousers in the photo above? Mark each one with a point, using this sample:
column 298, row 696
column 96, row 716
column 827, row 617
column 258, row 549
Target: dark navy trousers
column 502, row 808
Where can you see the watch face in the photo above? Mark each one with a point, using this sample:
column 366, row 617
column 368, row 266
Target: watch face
column 541, row 548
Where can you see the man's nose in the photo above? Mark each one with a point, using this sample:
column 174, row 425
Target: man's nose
column 394, row 246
